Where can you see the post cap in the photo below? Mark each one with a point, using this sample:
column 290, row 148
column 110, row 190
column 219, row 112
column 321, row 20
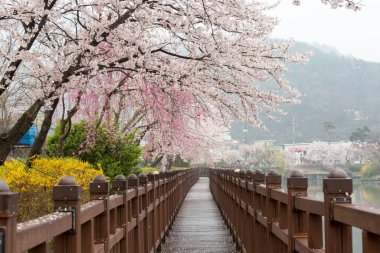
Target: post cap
column 297, row 180
column 296, row 173
column 67, row 189
column 273, row 173
column 99, row 186
column 259, row 172
column 120, row 178
column 337, row 173
column 67, row 180
column 133, row 180
column 337, row 182
column 273, row 178
column 4, row 187
column 143, row 178
column 99, row 179
column 132, row 176
column 119, row 184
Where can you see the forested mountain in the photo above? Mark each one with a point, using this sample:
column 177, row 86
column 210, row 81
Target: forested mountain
column 338, row 89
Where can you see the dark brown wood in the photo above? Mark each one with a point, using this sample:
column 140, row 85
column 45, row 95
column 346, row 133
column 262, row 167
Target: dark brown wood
column 8, row 217
column 42, row 248
column 338, row 235
column 295, row 218
column 310, row 205
column 371, row 242
column 300, row 230
column 67, row 197
column 348, row 214
column 138, row 219
column 88, row 239
column 33, row 233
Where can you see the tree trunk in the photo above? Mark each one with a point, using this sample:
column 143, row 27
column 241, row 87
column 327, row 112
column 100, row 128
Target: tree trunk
column 170, row 162
column 157, row 161
column 45, row 127
column 23, row 124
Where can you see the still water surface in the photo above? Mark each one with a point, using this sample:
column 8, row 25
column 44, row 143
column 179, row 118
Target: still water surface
column 365, row 194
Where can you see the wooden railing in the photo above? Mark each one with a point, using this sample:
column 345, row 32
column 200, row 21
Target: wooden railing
column 264, row 218
column 135, row 218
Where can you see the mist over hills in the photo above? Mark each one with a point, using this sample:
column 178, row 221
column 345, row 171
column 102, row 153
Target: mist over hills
column 335, row 88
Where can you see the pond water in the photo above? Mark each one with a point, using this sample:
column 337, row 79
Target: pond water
column 366, row 194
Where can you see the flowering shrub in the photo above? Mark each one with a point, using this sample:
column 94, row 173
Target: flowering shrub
column 35, row 184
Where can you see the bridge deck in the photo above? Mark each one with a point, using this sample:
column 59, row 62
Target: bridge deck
column 199, row 227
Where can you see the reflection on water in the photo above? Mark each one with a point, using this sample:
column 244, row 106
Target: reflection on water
column 365, row 194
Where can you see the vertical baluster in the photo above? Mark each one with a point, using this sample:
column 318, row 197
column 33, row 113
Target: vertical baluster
column 248, row 218
column 42, row 248
column 143, row 179
column 119, row 187
column 371, row 242
column 133, row 183
column 273, row 181
column 315, row 231
column 99, row 190
column 258, row 177
column 297, row 186
column 154, row 217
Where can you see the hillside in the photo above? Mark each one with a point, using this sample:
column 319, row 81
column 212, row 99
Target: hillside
column 336, row 88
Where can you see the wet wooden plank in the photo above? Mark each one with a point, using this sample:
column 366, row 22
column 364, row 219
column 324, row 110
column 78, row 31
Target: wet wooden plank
column 199, row 226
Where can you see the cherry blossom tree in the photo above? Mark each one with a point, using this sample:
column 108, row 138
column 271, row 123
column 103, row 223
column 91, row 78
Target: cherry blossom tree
column 213, row 58
column 328, row 154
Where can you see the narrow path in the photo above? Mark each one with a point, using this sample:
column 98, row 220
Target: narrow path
column 199, row 227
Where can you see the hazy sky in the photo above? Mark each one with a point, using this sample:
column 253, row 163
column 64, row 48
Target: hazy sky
column 351, row 33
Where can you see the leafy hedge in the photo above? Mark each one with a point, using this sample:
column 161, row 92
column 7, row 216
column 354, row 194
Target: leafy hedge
column 112, row 151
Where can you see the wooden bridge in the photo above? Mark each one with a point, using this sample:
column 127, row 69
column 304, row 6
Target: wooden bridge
column 175, row 211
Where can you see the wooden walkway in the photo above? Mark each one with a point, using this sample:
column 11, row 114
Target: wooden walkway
column 199, row 226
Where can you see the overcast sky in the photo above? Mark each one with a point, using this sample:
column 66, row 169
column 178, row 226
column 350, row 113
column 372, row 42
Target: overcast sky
column 352, row 33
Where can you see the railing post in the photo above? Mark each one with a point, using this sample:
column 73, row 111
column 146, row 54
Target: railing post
column 297, row 186
column 143, row 179
column 273, row 181
column 119, row 187
column 154, row 222
column 67, row 197
column 258, row 177
column 337, row 188
column 9, row 203
column 99, row 190
column 133, row 183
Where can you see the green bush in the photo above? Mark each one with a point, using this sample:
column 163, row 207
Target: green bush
column 113, row 153
column 355, row 167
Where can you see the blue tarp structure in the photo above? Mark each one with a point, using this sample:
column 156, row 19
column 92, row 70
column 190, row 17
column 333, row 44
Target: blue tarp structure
column 29, row 137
